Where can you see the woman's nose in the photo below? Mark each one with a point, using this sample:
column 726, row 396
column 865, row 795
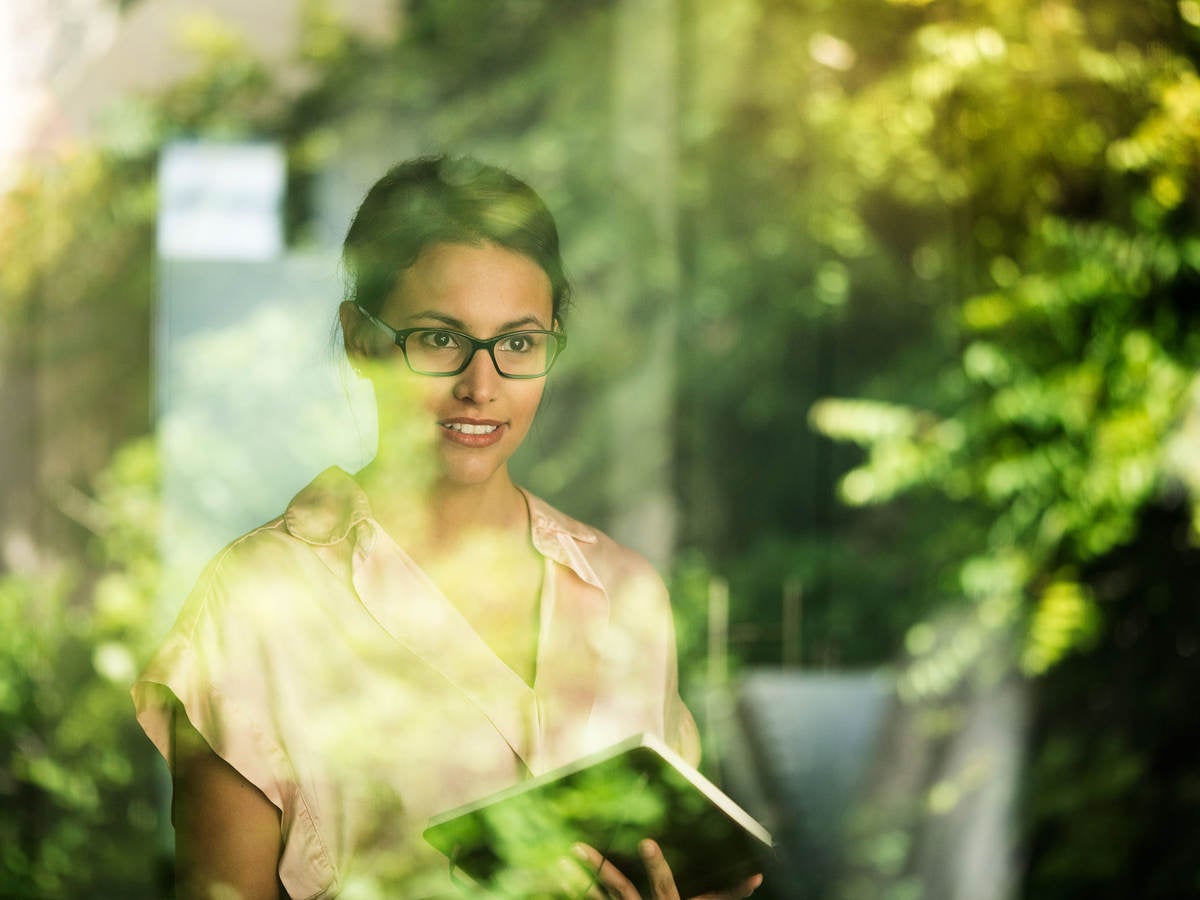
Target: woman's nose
column 480, row 380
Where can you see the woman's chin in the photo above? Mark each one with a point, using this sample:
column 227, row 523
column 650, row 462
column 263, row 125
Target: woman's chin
column 459, row 464
column 461, row 473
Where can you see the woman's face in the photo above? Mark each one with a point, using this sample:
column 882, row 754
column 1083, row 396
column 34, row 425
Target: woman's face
column 478, row 418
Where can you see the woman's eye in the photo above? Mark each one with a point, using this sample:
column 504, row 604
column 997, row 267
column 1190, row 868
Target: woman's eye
column 438, row 340
column 518, row 343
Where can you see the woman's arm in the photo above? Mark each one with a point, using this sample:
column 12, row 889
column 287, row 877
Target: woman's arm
column 227, row 833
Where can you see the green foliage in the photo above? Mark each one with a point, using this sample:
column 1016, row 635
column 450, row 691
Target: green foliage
column 1055, row 421
column 80, row 816
column 1076, row 351
column 1111, row 793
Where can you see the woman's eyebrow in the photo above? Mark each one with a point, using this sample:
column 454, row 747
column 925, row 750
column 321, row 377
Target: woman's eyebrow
column 521, row 323
column 440, row 317
column 460, row 325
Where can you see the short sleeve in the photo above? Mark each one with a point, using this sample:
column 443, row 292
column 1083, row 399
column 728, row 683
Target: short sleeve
column 220, row 664
column 209, row 667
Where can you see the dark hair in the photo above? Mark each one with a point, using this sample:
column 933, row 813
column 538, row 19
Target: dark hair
column 440, row 199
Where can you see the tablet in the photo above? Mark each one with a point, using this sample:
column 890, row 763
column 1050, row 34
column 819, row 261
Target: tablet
column 638, row 788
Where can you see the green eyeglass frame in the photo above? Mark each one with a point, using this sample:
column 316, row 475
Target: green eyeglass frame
column 468, row 346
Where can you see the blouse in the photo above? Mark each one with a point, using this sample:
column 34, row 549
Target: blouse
column 317, row 659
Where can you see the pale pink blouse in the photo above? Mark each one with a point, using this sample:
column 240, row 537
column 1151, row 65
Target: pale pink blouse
column 319, row 661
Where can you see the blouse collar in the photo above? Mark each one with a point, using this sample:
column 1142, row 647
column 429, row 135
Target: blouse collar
column 333, row 504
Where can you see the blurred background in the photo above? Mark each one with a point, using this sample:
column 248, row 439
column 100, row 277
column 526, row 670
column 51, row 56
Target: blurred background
column 884, row 351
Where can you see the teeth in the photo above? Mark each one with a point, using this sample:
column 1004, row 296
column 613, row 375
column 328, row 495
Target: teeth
column 471, row 429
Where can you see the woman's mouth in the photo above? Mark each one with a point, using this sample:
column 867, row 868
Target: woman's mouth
column 472, row 433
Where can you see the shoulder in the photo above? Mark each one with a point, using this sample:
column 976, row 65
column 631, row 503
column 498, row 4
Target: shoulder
column 301, row 544
column 596, row 556
column 267, row 548
column 622, row 566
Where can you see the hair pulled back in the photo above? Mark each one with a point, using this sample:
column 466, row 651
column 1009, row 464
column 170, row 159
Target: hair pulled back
column 441, row 199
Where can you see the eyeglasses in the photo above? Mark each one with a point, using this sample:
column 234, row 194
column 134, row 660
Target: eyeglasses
column 444, row 351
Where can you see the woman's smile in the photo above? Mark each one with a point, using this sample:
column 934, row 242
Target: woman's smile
column 468, row 432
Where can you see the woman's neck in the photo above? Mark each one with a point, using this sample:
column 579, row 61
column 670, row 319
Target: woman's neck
column 434, row 518
column 495, row 506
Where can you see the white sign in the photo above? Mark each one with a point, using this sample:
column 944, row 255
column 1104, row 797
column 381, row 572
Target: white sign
column 221, row 201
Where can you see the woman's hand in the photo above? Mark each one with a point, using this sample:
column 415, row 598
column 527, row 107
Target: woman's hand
column 612, row 884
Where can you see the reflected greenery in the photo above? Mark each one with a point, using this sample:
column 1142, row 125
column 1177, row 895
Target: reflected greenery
column 934, row 344
column 74, row 775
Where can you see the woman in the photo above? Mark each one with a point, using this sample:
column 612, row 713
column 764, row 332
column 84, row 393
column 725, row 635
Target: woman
column 426, row 632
